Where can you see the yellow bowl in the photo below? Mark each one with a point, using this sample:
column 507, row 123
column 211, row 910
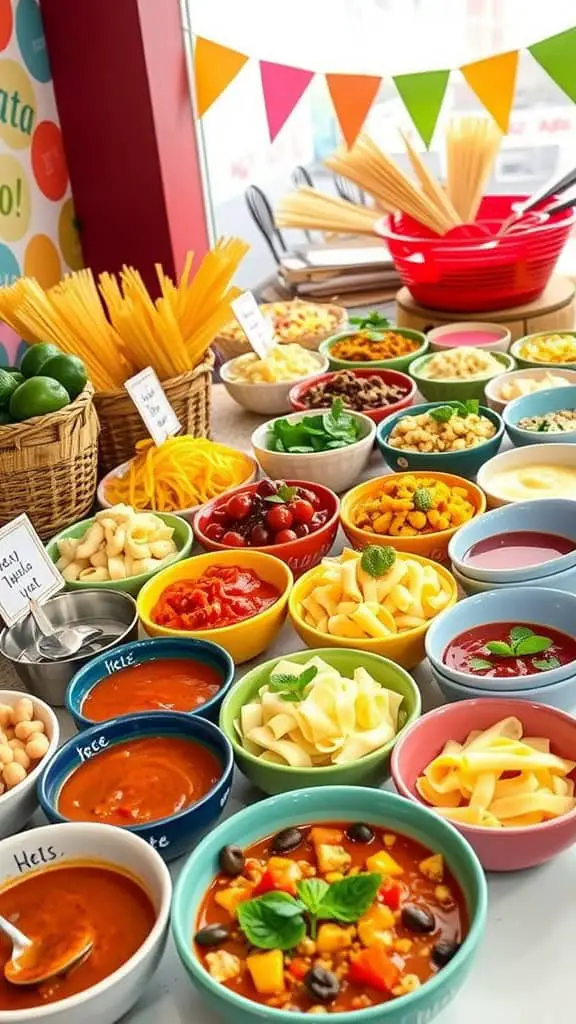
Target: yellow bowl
column 427, row 545
column 244, row 640
column 406, row 648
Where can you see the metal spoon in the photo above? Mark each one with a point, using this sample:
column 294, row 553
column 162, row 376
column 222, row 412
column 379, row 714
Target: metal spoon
column 55, row 644
column 34, row 962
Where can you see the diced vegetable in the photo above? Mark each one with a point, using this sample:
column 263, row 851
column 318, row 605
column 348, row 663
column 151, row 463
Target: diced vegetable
column 319, row 835
column 223, row 965
column 230, row 898
column 267, row 971
column 282, row 874
column 374, row 967
column 298, row 968
column 384, row 864
column 390, row 894
column 374, row 926
column 331, row 938
column 332, row 858
column 432, row 867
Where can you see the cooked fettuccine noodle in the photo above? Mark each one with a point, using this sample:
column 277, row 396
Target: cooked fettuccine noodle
column 499, row 778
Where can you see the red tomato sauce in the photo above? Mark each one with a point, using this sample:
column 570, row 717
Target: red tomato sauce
column 222, row 596
column 468, row 651
column 517, row 549
column 166, row 684
column 112, row 906
column 139, row 781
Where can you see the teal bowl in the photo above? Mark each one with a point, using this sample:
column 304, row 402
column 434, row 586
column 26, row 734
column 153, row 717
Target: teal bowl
column 182, row 537
column 456, row 390
column 371, row 770
column 463, row 463
column 326, row 804
column 398, row 363
column 538, row 404
column 525, row 364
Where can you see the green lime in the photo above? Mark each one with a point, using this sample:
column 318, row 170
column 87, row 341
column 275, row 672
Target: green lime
column 35, row 356
column 8, row 385
column 37, row 396
column 69, row 371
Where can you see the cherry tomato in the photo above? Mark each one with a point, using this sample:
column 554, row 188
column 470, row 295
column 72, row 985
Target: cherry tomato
column 233, row 539
column 310, row 496
column 260, row 536
column 318, row 521
column 214, row 531
column 239, row 506
column 266, row 488
column 219, row 515
column 302, row 510
column 301, row 529
column 279, row 517
column 284, row 536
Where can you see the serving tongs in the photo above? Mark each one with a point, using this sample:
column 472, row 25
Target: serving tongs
column 556, row 187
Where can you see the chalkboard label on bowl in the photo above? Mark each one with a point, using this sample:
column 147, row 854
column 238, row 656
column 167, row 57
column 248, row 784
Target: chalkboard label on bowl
column 26, row 570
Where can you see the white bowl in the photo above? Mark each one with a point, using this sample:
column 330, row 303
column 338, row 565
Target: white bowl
column 515, row 458
column 186, row 513
column 439, row 337
column 108, row 1000
column 268, row 399
column 563, row 580
column 492, row 390
column 18, row 805
column 337, row 469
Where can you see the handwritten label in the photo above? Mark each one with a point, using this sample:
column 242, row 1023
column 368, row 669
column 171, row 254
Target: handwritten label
column 257, row 328
column 26, row 860
column 159, row 417
column 91, row 749
column 115, row 664
column 159, row 844
column 26, row 570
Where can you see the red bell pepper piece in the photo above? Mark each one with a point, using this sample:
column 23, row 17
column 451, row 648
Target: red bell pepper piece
column 374, row 967
column 390, row 894
column 281, row 874
column 298, row 968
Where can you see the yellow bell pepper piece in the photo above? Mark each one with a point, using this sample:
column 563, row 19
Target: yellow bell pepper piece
column 384, row 864
column 267, row 971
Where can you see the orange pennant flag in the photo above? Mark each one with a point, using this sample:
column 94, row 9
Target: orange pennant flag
column 494, row 80
column 352, row 96
column 215, row 67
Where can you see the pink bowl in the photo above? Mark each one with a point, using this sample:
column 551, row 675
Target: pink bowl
column 390, row 377
column 498, row 849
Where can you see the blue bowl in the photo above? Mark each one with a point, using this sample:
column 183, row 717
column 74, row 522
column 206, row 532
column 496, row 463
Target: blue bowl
column 171, row 836
column 323, row 804
column 465, row 463
column 547, row 515
column 556, row 581
column 538, row 404
column 523, row 605
column 139, row 652
column 560, row 695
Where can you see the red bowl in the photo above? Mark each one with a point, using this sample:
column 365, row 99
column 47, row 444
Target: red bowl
column 391, row 377
column 301, row 554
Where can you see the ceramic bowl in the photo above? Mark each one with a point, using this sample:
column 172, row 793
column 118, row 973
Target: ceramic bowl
column 494, row 387
column 266, row 398
column 406, row 648
column 243, row 640
column 114, row 996
column 390, row 377
column 301, row 554
column 427, row 545
column 463, row 463
column 539, row 404
column 17, row 805
column 550, row 515
column 446, row 336
column 557, row 581
column 338, row 468
column 396, row 363
column 456, row 390
column 140, row 652
column 524, row 362
column 560, row 695
column 371, row 770
column 327, row 804
column 171, row 836
column 548, row 455
column 182, row 537
column 499, row 849
column 528, row 606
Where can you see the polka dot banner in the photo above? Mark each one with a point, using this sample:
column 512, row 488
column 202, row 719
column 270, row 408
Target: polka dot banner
column 15, row 208
column 6, row 23
column 9, row 269
column 17, row 105
column 68, row 236
column 42, row 261
column 31, row 40
column 48, row 160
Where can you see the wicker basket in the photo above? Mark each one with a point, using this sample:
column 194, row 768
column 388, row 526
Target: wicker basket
column 228, row 346
column 49, row 466
column 121, row 425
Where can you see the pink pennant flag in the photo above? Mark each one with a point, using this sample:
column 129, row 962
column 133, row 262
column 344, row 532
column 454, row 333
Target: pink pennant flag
column 282, row 87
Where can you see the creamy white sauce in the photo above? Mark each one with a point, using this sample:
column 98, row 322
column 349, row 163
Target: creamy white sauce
column 535, row 481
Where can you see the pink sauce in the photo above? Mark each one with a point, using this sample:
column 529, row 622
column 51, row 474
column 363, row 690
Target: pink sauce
column 517, row 549
column 455, row 339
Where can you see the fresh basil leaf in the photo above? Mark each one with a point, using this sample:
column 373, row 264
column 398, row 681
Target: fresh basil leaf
column 519, row 633
column 307, row 675
column 264, row 927
column 312, row 891
column 478, row 664
column 544, row 664
column 533, row 645
column 471, row 406
column 286, row 493
column 299, row 449
column 443, row 413
column 377, row 560
column 282, row 904
column 500, row 648
column 348, row 899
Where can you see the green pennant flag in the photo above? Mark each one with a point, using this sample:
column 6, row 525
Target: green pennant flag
column 422, row 95
column 557, row 55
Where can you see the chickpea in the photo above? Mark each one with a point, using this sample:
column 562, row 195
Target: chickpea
column 13, row 774
column 5, row 715
column 6, row 754
column 23, row 710
column 16, row 744
column 24, row 730
column 21, row 757
column 37, row 747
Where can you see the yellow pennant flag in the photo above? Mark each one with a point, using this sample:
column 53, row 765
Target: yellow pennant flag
column 215, row 67
column 494, row 81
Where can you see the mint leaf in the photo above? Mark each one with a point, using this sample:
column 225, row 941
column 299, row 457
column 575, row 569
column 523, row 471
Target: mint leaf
column 377, row 560
column 283, row 495
column 348, row 899
column 374, row 319
column 265, row 927
column 519, row 633
column 544, row 664
column 292, row 688
column 471, row 406
column 500, row 648
column 443, row 413
column 312, row 891
column 533, row 645
column 479, row 664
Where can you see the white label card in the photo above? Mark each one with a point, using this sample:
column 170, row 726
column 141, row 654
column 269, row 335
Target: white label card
column 146, row 392
column 26, row 570
column 257, row 328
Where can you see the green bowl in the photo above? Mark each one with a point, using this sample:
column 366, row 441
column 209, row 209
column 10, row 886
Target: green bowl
column 182, row 537
column 456, row 390
column 399, row 363
column 370, row 770
column 531, row 364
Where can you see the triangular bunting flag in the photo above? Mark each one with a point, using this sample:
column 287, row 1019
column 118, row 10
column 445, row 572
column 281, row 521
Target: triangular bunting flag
column 282, row 87
column 352, row 96
column 215, row 67
column 494, row 80
column 423, row 95
column 557, row 55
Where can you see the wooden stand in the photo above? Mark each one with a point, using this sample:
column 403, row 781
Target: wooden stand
column 555, row 310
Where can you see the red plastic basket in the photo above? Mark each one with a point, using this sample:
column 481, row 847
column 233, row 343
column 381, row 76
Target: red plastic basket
column 477, row 270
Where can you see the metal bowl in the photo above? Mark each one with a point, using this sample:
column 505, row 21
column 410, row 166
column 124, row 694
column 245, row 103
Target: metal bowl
column 48, row 680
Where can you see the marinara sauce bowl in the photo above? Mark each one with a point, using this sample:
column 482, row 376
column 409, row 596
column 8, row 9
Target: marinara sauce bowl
column 319, row 805
column 141, row 652
column 301, row 554
column 175, row 834
column 499, row 849
column 389, row 377
column 243, row 640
